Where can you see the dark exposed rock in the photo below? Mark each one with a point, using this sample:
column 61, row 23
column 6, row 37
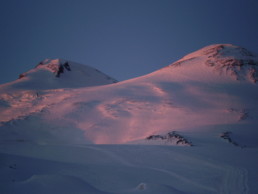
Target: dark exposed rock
column 62, row 67
column 227, row 136
column 225, row 60
column 67, row 66
column 155, row 137
column 60, row 70
column 22, row 75
column 171, row 137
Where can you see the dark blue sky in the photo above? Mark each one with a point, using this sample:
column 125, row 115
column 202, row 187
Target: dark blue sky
column 122, row 38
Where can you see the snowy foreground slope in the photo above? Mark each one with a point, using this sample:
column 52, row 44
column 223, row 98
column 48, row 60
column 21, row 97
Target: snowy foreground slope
column 199, row 117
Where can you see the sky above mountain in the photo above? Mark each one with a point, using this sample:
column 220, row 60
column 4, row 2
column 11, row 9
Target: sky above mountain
column 123, row 39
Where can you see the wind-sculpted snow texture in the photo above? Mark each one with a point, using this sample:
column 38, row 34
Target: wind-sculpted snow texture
column 191, row 114
column 30, row 168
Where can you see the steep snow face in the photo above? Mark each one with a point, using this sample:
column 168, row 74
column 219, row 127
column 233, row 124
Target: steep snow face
column 59, row 73
column 190, row 97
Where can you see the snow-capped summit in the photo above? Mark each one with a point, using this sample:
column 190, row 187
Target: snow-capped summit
column 221, row 50
column 60, row 73
column 215, row 63
column 226, row 59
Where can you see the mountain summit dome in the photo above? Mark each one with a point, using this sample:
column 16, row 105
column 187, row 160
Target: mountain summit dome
column 224, row 50
column 225, row 59
column 60, row 73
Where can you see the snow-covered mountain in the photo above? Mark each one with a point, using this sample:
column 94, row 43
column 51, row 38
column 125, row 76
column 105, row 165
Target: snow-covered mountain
column 214, row 87
column 206, row 101
column 59, row 73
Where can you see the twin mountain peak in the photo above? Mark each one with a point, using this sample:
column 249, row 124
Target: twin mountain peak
column 224, row 59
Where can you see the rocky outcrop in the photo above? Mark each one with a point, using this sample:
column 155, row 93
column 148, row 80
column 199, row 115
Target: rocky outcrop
column 171, row 137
